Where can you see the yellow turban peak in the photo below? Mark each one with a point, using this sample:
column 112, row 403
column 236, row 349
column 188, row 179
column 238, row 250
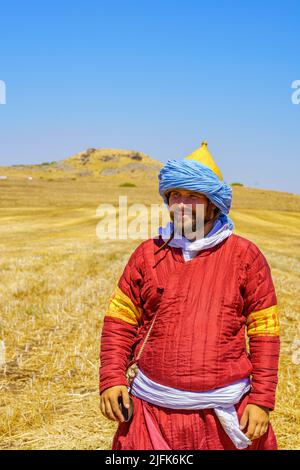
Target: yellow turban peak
column 202, row 155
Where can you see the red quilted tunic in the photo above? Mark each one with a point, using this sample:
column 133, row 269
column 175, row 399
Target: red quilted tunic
column 204, row 309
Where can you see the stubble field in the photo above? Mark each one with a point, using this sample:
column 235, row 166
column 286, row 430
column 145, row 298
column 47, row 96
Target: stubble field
column 56, row 279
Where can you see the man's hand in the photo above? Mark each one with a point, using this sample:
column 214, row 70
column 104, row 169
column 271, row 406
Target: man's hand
column 256, row 419
column 109, row 405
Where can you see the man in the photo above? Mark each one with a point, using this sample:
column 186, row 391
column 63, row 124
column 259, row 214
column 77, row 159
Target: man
column 197, row 387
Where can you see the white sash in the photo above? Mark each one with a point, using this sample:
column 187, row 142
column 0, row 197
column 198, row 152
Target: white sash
column 222, row 400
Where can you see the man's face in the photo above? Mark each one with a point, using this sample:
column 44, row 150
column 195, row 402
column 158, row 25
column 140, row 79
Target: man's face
column 183, row 205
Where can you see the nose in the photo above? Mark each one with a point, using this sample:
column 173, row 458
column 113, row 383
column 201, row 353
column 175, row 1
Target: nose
column 181, row 205
column 184, row 208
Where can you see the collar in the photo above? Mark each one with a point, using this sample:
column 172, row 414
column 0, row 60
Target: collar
column 221, row 229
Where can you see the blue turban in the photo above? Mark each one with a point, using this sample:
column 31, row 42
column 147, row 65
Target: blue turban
column 193, row 175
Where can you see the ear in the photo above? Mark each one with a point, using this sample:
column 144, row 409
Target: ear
column 217, row 212
column 214, row 210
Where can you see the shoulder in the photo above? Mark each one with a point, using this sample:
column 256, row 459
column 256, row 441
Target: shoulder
column 143, row 250
column 253, row 260
column 249, row 249
column 143, row 246
column 148, row 245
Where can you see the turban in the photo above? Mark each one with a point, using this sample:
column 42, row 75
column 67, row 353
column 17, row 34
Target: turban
column 194, row 175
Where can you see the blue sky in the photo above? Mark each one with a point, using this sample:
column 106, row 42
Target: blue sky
column 154, row 76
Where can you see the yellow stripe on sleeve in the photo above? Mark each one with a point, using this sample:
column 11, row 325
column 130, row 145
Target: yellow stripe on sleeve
column 122, row 307
column 264, row 322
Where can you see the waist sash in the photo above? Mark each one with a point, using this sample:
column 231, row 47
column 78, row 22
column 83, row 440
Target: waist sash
column 222, row 400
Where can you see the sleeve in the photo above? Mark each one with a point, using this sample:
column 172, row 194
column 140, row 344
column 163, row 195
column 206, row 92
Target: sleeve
column 121, row 322
column 262, row 322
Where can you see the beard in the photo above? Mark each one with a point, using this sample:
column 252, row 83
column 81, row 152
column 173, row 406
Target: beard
column 189, row 223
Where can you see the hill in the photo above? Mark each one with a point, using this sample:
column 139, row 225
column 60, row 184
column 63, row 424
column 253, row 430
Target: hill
column 89, row 163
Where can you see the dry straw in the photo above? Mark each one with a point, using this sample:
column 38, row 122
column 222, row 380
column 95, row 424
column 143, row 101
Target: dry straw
column 56, row 282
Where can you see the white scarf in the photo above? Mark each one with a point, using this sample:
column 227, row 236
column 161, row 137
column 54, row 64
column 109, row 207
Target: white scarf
column 222, row 229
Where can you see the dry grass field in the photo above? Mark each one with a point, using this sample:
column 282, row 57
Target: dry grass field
column 56, row 278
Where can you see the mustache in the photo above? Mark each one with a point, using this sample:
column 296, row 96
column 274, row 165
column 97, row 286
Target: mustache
column 180, row 213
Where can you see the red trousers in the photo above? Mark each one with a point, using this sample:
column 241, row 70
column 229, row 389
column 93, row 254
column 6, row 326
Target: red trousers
column 183, row 429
